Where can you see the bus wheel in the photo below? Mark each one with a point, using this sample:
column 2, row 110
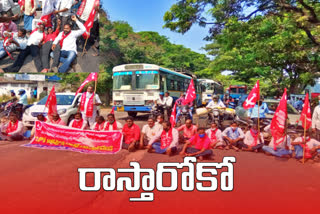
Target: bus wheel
column 132, row 113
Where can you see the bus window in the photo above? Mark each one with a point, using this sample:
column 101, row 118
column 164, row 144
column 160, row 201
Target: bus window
column 242, row 91
column 122, row 81
column 233, row 90
column 147, row 80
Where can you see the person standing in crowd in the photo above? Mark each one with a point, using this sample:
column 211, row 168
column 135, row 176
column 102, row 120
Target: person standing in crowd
column 78, row 122
column 179, row 103
column 281, row 148
column 29, row 9
column 6, row 6
column 23, row 97
column 7, row 27
column 168, row 103
column 131, row 135
column 189, row 130
column 18, row 41
column 253, row 140
column 34, row 41
column 67, row 52
column 112, row 124
column 99, row 125
column 316, row 121
column 298, row 104
column 198, row 146
column 165, row 141
column 148, row 132
column 56, row 120
column 15, row 129
column 263, row 110
column 75, row 6
column 233, row 136
column 215, row 136
column 44, row 93
column 62, row 12
column 88, row 105
column 312, row 147
column 35, row 93
column 46, row 47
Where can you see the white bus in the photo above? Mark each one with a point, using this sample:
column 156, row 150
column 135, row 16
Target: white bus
column 136, row 86
column 210, row 87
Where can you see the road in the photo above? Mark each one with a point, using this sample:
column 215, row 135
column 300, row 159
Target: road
column 46, row 181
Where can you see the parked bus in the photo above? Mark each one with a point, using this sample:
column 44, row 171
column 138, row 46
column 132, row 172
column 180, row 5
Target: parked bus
column 236, row 91
column 137, row 86
column 210, row 87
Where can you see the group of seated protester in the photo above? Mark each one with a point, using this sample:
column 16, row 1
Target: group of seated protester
column 42, row 44
column 189, row 140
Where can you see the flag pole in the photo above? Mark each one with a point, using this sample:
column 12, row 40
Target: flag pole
column 305, row 133
column 258, row 118
column 95, row 89
column 84, row 48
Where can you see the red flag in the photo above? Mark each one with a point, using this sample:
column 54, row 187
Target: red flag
column 306, row 113
column 89, row 23
column 253, row 97
column 173, row 115
column 90, row 78
column 51, row 103
column 278, row 123
column 112, row 111
column 191, row 94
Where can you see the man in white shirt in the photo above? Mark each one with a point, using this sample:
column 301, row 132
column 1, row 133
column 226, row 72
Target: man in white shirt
column 112, row 124
column 63, row 11
column 165, row 141
column 96, row 102
column 14, row 130
column 312, row 147
column 215, row 103
column 33, row 48
column 6, row 7
column 253, row 140
column 68, row 47
column 18, row 41
column 148, row 132
column 316, row 121
column 280, row 148
column 215, row 136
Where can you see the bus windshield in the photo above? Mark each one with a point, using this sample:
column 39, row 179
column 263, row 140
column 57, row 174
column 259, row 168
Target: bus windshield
column 209, row 87
column 147, row 80
column 122, row 81
column 242, row 91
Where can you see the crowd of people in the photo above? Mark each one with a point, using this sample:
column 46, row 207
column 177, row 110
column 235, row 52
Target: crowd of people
column 57, row 34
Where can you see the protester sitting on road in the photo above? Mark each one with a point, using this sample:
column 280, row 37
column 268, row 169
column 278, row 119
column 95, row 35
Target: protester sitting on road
column 78, row 122
column 253, row 140
column 189, row 130
column 165, row 141
column 56, row 120
column 4, row 124
column 215, row 136
column 280, row 148
column 148, row 132
column 198, row 146
column 99, row 125
column 312, row 147
column 131, row 135
column 15, row 129
column 23, row 97
column 68, row 46
column 15, row 41
column 263, row 110
column 7, row 27
column 40, row 118
column 180, row 103
column 112, row 124
column 160, row 119
column 233, row 136
column 34, row 41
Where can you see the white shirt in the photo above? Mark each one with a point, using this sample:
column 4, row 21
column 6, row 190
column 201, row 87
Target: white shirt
column 84, row 125
column 47, row 7
column 151, row 132
column 62, row 4
column 282, row 145
column 19, row 131
column 218, row 134
column 161, row 102
column 22, row 41
column 6, row 5
column 87, row 10
column 248, row 139
column 119, row 126
column 175, row 138
column 168, row 101
column 213, row 104
column 88, row 96
column 316, row 118
column 69, row 43
column 310, row 144
column 35, row 38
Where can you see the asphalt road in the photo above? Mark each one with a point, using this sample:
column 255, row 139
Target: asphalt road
column 46, row 181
